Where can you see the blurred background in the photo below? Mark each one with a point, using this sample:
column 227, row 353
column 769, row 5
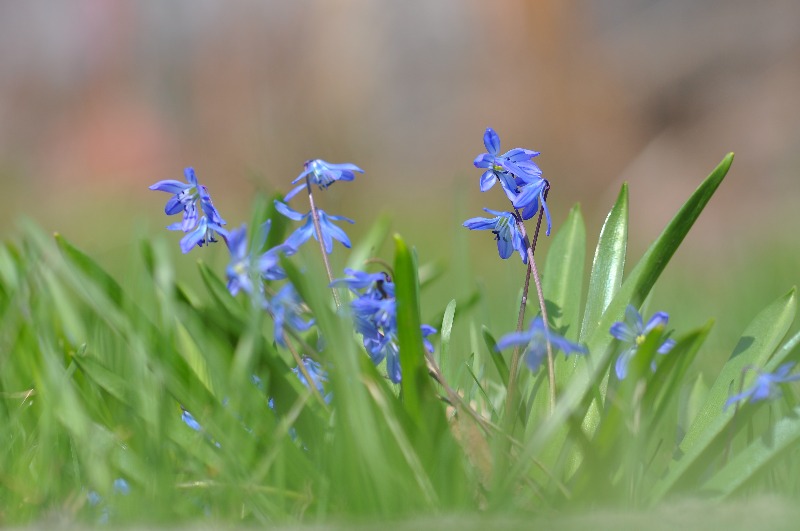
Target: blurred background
column 100, row 99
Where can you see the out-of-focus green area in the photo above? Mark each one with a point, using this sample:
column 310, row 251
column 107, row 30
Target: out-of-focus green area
column 98, row 100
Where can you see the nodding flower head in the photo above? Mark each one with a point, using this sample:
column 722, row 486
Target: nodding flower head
column 323, row 174
column 185, row 198
column 505, row 230
column 329, row 231
column 766, row 385
column 535, row 341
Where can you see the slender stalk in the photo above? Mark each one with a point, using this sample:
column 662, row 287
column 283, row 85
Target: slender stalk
column 318, row 229
column 531, row 270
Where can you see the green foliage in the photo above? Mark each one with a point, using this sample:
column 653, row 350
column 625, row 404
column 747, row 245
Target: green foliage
column 95, row 374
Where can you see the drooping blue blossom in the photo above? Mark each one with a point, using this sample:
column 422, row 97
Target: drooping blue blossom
column 323, row 174
column 243, row 270
column 189, row 420
column 375, row 317
column 531, row 195
column 766, row 385
column 203, row 234
column 504, row 168
column 535, row 340
column 329, row 231
column 120, row 486
column 200, row 229
column 285, row 308
column 505, row 230
column 633, row 331
column 318, row 376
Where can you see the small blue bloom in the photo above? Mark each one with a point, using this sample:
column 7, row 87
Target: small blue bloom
column 531, row 194
column 203, row 234
column 535, row 341
column 505, row 230
column 243, row 270
column 766, row 385
column 323, row 174
column 185, row 199
column 329, row 231
column 504, row 168
column 317, row 374
column 121, row 487
column 633, row 330
column 285, row 308
column 375, row 318
column 190, row 421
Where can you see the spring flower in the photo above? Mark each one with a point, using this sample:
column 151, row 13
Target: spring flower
column 285, row 309
column 242, row 269
column 633, row 330
column 323, row 174
column 505, row 230
column 535, row 341
column 317, row 374
column 187, row 418
column 329, row 231
column 766, row 385
column 531, row 195
column 516, row 162
column 185, row 199
column 203, row 234
column 375, row 317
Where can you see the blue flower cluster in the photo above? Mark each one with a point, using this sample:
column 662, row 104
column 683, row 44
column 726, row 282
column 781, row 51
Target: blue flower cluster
column 199, row 230
column 375, row 316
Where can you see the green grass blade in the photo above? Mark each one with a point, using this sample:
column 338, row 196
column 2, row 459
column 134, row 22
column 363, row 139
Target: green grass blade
column 608, row 264
column 755, row 347
column 562, row 282
column 412, row 354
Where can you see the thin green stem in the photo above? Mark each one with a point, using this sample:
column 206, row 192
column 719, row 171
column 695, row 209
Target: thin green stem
column 531, row 270
column 318, row 229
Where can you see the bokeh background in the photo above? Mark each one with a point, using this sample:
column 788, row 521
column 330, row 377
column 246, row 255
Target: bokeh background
column 100, row 99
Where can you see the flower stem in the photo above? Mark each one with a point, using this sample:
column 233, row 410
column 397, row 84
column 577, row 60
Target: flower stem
column 318, row 229
column 532, row 269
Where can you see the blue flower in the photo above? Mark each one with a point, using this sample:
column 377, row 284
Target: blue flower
column 375, row 318
column 633, row 330
column 189, row 420
column 242, row 269
column 323, row 174
column 766, row 385
column 285, row 308
column 329, row 231
column 535, row 341
column 531, row 194
column 317, row 374
column 505, row 230
column 203, row 234
column 504, row 168
column 186, row 196
column 120, row 486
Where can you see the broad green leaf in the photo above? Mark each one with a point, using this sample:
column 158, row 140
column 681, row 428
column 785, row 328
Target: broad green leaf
column 445, row 331
column 608, row 264
column 634, row 290
column 563, row 275
column 496, row 357
column 412, row 354
column 90, row 268
column 755, row 347
column 764, row 450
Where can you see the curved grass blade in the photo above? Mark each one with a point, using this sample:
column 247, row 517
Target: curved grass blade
column 608, row 264
column 562, row 282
